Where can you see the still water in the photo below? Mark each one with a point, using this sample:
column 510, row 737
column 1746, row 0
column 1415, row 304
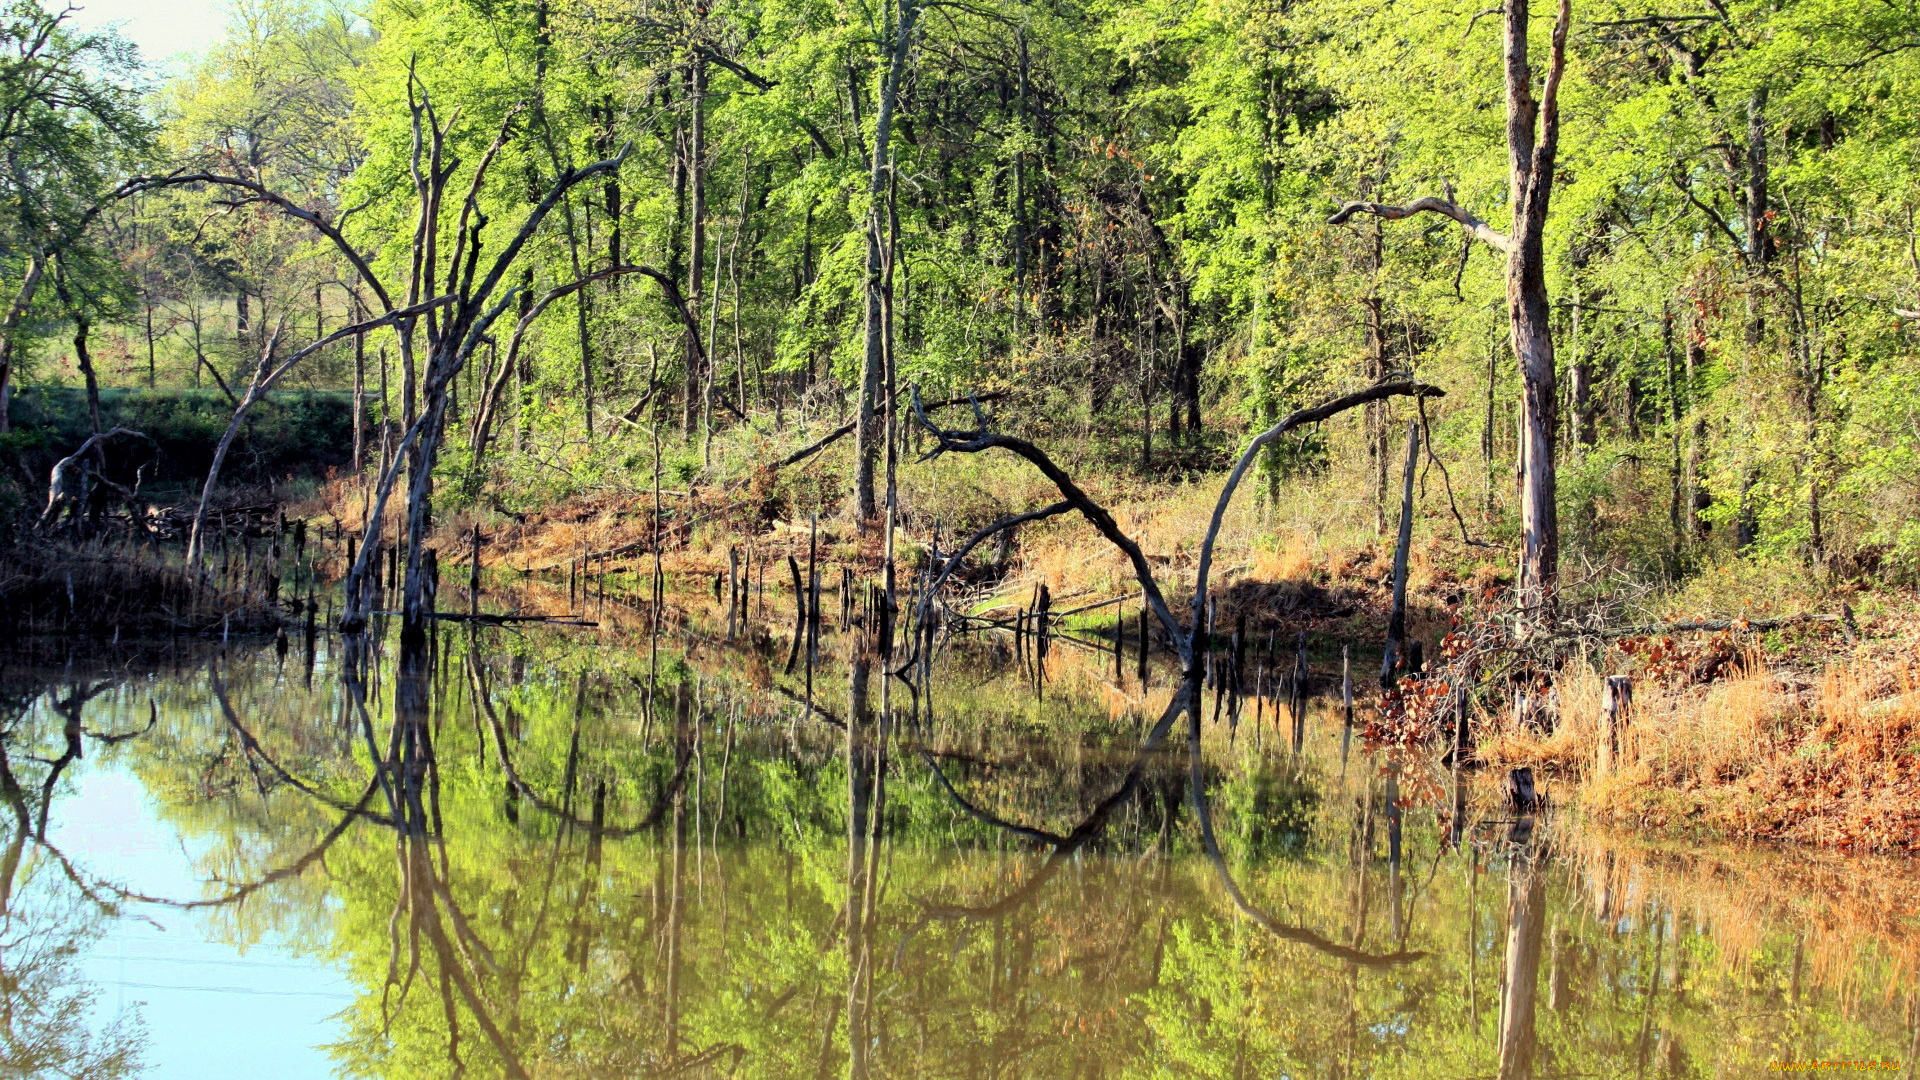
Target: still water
column 605, row 854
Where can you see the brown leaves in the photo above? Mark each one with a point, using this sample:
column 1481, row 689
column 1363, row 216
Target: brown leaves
column 1688, row 662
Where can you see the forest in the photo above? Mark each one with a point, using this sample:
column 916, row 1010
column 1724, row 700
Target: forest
column 904, row 403
column 734, row 229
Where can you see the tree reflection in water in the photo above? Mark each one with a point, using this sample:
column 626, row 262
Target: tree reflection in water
column 50, row 1020
column 537, row 859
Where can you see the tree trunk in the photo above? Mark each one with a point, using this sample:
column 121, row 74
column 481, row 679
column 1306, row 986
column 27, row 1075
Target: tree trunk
column 1580, row 393
column 867, row 435
column 1528, row 312
column 82, row 355
column 16, row 313
column 696, row 169
column 1397, row 616
column 1677, row 467
column 359, row 397
column 1376, row 415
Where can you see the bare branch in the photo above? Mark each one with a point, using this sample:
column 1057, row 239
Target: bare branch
column 1549, row 148
column 483, row 421
column 287, row 206
column 692, row 324
column 1298, row 418
column 952, row 562
column 1474, row 227
column 973, row 442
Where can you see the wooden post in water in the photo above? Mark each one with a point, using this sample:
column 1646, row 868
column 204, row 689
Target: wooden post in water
column 276, row 553
column 1237, row 672
column 473, row 576
column 733, row 588
column 1462, row 725
column 1141, row 663
column 1044, row 607
column 1616, row 703
column 1520, row 791
column 813, row 582
column 1297, row 693
column 1259, row 696
column 799, row 596
column 1119, row 644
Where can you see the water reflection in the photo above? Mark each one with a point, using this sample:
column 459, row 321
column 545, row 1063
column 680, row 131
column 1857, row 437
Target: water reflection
column 541, row 856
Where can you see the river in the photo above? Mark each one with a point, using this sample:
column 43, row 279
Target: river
column 602, row 853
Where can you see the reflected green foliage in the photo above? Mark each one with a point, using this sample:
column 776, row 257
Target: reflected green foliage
column 640, row 863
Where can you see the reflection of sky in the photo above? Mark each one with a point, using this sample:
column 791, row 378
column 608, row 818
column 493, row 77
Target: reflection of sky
column 211, row 1011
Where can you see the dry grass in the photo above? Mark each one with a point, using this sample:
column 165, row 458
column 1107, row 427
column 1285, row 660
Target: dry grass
column 108, row 586
column 1307, row 556
column 1830, row 757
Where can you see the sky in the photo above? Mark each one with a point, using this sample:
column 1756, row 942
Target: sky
column 165, row 30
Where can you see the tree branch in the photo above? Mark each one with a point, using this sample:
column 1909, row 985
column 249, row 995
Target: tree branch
column 264, row 194
column 973, row 442
column 952, row 561
column 1293, row 420
column 1474, row 227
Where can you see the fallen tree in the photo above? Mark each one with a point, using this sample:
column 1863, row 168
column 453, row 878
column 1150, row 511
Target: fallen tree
column 1187, row 641
column 70, row 484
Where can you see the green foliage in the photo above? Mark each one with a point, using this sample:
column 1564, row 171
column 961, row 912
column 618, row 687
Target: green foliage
column 1116, row 211
column 303, row 432
column 72, row 126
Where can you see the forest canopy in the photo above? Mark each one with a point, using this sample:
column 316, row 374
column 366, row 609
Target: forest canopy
column 1117, row 213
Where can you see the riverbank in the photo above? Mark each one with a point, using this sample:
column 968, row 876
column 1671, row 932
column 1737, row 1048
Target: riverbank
column 1806, row 733
column 1821, row 750
column 113, row 586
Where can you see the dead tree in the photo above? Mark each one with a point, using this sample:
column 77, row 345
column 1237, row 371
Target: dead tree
column 478, row 299
column 1073, row 498
column 70, row 484
column 1533, row 139
column 1186, row 644
column 867, row 436
column 448, row 301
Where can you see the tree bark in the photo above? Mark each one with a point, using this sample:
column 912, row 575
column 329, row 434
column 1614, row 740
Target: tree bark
column 1528, row 313
column 1397, row 617
column 696, row 169
column 83, row 355
column 1533, row 139
column 867, row 436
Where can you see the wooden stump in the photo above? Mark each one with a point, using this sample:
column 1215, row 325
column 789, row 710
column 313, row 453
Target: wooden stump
column 1616, row 706
column 1521, row 795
